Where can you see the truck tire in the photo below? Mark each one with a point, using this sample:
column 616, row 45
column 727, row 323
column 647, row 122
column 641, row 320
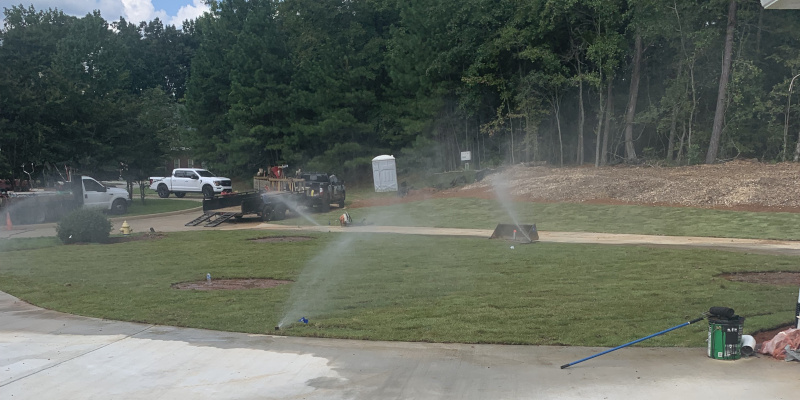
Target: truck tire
column 163, row 192
column 180, row 194
column 208, row 192
column 119, row 207
column 325, row 205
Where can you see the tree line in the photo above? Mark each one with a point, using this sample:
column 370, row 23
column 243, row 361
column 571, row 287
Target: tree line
column 329, row 84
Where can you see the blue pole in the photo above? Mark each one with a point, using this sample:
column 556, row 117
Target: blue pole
column 634, row 342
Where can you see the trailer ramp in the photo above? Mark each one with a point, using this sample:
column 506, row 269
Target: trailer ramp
column 220, row 218
column 199, row 220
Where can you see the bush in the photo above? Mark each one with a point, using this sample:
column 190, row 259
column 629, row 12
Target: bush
column 84, row 226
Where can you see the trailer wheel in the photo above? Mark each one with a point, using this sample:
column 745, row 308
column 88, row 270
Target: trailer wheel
column 208, row 192
column 279, row 213
column 119, row 206
column 163, row 192
column 266, row 213
column 180, row 194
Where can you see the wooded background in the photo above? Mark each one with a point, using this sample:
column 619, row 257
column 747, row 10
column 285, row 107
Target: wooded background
column 327, row 85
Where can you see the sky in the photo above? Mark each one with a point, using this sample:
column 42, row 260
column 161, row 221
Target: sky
column 171, row 12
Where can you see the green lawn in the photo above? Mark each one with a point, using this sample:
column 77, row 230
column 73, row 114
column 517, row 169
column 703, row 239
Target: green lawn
column 650, row 220
column 402, row 287
column 157, row 206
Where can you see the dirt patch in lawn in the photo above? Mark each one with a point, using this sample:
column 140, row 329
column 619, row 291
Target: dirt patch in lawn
column 765, row 278
column 763, row 336
column 126, row 239
column 281, row 239
column 230, row 284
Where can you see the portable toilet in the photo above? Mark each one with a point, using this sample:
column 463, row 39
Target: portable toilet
column 384, row 174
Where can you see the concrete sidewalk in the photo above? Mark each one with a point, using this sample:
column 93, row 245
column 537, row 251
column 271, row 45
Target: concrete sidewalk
column 50, row 355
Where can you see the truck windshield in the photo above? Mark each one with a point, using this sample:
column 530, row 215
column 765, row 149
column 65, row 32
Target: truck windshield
column 205, row 174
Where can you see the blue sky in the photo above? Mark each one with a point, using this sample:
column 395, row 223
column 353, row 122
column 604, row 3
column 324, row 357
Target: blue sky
column 170, row 11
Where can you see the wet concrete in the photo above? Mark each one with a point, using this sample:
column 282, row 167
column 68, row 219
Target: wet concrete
column 46, row 354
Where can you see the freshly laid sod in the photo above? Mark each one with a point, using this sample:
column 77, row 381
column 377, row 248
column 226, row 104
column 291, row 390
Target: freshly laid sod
column 401, row 287
column 486, row 214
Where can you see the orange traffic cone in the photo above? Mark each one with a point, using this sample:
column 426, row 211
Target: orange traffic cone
column 9, row 226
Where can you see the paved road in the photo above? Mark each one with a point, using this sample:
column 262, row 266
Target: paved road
column 50, row 355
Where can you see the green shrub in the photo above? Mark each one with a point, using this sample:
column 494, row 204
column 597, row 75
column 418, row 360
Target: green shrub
column 84, row 226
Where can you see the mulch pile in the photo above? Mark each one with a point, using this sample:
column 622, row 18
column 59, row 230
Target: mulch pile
column 736, row 185
column 740, row 185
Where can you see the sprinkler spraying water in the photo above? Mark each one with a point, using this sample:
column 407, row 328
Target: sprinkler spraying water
column 318, row 282
column 516, row 232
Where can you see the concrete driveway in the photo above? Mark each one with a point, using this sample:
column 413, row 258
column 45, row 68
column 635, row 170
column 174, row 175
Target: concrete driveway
column 51, row 355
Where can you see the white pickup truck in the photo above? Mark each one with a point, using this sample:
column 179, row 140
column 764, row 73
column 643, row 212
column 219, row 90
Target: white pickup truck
column 191, row 180
column 39, row 206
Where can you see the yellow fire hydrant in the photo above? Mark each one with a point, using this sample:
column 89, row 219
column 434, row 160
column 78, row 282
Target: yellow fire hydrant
column 126, row 229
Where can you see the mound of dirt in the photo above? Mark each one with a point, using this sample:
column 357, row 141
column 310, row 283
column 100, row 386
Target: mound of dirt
column 736, row 185
column 230, row 284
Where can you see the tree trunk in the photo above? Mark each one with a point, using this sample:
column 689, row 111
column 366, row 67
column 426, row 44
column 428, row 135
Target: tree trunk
column 630, row 151
column 511, row 125
column 599, row 134
column 556, row 108
column 719, row 115
column 672, row 127
column 674, row 123
column 758, row 32
column 607, row 128
column 680, row 146
column 797, row 149
column 581, row 116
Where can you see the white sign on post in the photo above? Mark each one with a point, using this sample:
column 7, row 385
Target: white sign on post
column 466, row 156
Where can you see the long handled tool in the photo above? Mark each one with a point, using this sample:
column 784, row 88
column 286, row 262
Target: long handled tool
column 713, row 311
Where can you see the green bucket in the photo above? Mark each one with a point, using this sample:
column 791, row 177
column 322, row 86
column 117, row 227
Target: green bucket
column 725, row 338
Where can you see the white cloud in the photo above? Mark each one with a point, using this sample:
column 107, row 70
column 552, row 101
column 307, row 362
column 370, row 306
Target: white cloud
column 142, row 10
column 133, row 11
column 111, row 10
column 189, row 11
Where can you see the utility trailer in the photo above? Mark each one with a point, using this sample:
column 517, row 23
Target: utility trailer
column 268, row 206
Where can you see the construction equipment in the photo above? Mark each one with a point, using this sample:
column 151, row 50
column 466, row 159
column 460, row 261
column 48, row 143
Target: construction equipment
column 516, row 232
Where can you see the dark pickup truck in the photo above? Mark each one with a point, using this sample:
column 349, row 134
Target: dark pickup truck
column 322, row 190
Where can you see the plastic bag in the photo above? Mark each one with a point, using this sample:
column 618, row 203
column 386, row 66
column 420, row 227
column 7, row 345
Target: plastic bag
column 776, row 347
